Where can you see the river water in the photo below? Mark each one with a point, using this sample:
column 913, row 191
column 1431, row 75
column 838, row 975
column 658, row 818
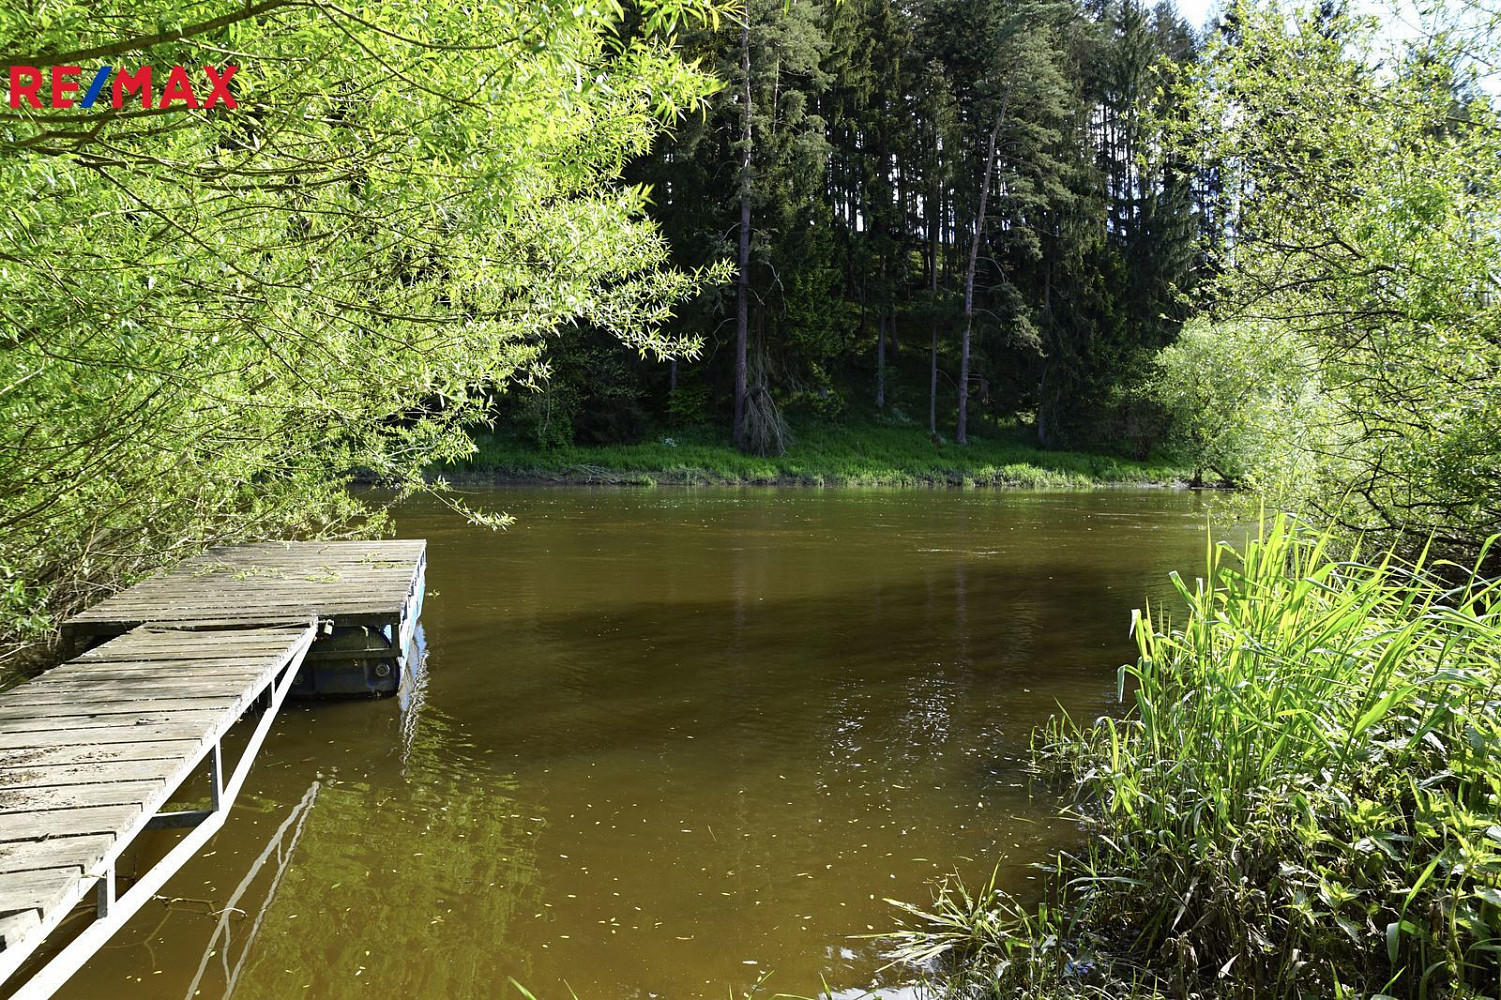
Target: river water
column 667, row 743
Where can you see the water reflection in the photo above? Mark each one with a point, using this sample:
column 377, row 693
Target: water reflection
column 669, row 742
column 228, row 937
column 403, row 885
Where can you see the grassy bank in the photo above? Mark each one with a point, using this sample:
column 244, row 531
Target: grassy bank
column 870, row 455
column 1304, row 800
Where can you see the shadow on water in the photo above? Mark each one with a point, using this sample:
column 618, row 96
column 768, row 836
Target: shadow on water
column 669, row 741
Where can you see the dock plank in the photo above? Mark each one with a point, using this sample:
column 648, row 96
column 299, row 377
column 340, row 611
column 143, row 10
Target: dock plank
column 16, row 926
column 100, row 753
column 82, row 853
column 92, row 749
column 30, row 739
column 39, row 890
column 39, row 826
column 105, row 793
column 117, row 707
column 21, row 778
column 18, row 724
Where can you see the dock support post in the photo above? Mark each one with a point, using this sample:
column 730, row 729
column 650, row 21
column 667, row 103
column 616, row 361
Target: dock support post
column 215, row 775
column 106, row 892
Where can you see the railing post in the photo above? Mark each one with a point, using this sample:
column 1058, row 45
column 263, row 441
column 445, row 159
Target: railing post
column 105, row 890
column 216, row 775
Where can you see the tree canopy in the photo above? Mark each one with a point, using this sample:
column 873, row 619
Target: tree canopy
column 1360, row 187
column 215, row 318
column 996, row 215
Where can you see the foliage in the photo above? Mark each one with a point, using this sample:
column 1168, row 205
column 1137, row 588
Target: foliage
column 1243, row 403
column 983, row 940
column 589, row 393
column 1362, row 182
column 214, row 318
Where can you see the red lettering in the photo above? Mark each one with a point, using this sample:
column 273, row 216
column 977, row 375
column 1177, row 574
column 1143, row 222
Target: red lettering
column 27, row 90
column 137, row 82
column 178, row 88
column 221, row 87
column 63, row 84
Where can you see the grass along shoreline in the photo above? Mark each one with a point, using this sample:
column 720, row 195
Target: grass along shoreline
column 1304, row 799
column 828, row 456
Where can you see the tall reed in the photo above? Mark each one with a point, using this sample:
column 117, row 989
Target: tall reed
column 1304, row 798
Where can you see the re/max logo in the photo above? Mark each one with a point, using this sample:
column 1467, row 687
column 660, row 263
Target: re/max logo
column 57, row 84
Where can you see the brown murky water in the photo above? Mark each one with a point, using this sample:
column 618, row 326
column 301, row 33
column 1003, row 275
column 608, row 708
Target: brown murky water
column 668, row 742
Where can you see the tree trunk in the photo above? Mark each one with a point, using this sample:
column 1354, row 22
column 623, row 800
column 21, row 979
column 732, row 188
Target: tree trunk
column 881, row 358
column 969, row 274
column 1044, row 434
column 742, row 290
column 933, row 224
column 933, row 384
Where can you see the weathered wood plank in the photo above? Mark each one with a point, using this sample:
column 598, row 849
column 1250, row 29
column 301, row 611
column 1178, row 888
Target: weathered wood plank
column 109, row 626
column 99, row 696
column 108, row 709
column 58, row 736
column 101, row 754
column 163, row 668
column 77, row 822
column 160, row 771
column 82, row 853
column 15, row 926
column 167, row 672
column 41, row 890
column 332, row 575
column 161, row 639
column 129, row 675
column 199, row 720
column 153, row 656
column 265, row 598
column 109, row 793
column 184, row 687
column 344, row 584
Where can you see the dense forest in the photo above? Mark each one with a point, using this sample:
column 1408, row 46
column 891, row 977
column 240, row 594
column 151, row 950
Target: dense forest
column 953, row 213
column 1259, row 249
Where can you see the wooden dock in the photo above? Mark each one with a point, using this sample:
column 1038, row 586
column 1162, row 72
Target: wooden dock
column 370, row 591
column 94, row 752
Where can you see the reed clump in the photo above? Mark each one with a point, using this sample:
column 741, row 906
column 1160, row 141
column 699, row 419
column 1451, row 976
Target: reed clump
column 1304, row 798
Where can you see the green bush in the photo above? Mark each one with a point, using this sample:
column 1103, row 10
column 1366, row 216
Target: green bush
column 1242, row 402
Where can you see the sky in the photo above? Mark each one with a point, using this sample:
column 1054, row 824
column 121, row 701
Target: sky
column 1196, row 12
column 1398, row 16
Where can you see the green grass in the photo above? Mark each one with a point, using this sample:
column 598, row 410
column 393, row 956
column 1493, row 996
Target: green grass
column 1304, row 799
column 870, row 455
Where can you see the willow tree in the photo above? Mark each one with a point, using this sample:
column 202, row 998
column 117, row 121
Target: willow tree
column 214, row 318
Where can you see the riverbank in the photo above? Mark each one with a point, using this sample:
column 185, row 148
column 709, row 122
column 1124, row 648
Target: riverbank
column 826, row 456
column 1302, row 799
